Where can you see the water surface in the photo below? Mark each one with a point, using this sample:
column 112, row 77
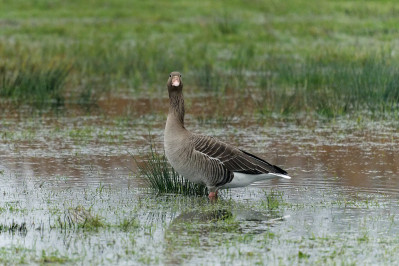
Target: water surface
column 340, row 206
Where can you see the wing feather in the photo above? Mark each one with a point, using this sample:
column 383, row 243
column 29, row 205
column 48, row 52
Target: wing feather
column 233, row 159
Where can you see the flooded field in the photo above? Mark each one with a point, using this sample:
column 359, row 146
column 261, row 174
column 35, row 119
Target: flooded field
column 70, row 192
column 311, row 86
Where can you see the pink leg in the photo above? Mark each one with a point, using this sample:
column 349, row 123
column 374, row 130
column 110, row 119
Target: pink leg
column 213, row 195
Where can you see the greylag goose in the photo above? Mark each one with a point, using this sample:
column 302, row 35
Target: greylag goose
column 203, row 159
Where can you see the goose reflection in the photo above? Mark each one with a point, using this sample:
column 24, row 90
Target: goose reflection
column 204, row 229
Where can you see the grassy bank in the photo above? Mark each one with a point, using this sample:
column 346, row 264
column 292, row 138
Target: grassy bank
column 327, row 58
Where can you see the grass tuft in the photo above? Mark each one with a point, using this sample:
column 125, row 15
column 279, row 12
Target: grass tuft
column 274, row 200
column 164, row 179
column 14, row 227
column 80, row 218
column 129, row 223
column 52, row 258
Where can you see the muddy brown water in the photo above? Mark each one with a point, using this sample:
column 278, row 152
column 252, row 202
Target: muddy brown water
column 341, row 162
column 73, row 144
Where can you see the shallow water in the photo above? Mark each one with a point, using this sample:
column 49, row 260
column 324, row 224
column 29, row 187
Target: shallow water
column 341, row 204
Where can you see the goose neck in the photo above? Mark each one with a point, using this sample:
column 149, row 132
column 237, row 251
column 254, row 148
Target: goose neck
column 176, row 107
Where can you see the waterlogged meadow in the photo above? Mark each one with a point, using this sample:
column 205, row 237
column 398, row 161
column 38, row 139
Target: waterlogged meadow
column 310, row 86
column 325, row 59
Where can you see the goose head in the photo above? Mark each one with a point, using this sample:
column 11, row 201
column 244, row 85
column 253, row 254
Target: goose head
column 175, row 83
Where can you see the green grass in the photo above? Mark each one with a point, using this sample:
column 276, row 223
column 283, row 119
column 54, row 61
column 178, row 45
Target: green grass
column 52, row 258
column 129, row 223
column 162, row 178
column 274, row 200
column 14, row 228
column 32, row 83
column 80, row 218
column 328, row 58
column 334, row 84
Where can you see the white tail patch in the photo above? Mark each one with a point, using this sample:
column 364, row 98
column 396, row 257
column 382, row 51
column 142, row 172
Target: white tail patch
column 243, row 180
column 280, row 175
